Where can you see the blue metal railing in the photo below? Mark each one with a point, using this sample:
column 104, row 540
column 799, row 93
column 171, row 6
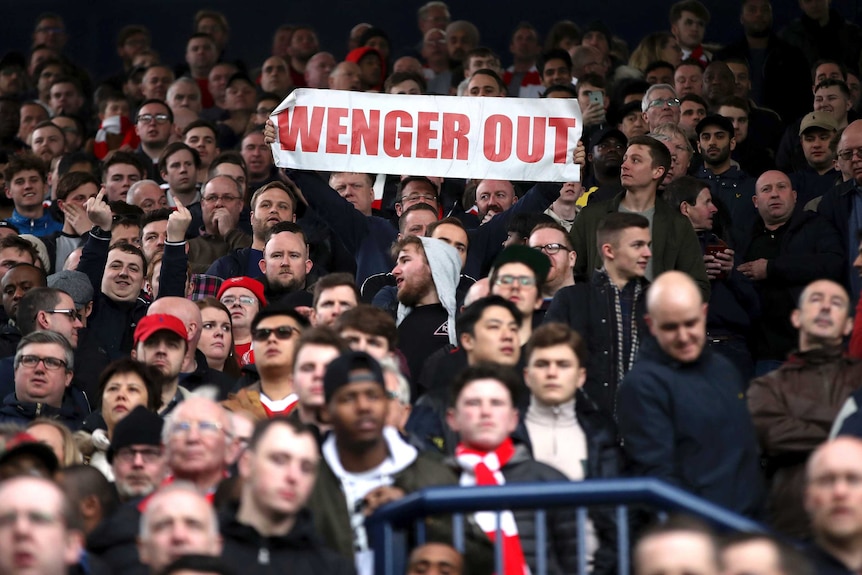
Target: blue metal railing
column 390, row 525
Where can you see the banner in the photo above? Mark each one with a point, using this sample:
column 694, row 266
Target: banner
column 448, row 136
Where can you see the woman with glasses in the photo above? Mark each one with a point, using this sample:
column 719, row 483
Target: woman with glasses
column 124, row 385
column 216, row 341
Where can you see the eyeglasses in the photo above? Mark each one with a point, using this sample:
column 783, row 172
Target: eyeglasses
column 149, row 118
column 203, row 427
column 70, row 313
column 419, row 198
column 213, row 199
column 50, row 363
column 848, row 154
column 509, row 279
column 670, row 102
column 243, row 299
column 281, row 332
column 551, row 249
column 129, row 454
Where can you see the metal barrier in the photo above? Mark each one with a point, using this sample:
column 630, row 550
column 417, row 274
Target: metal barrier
column 390, row 525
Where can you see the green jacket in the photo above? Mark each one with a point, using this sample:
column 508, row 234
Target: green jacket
column 674, row 243
column 332, row 522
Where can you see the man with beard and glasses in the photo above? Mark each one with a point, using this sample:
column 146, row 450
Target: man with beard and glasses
column 732, row 186
column 794, row 406
column 285, row 266
column 427, row 272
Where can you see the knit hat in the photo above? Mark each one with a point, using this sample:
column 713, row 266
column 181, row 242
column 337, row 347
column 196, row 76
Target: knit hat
column 140, row 427
column 338, row 372
column 150, row 324
column 74, row 283
column 445, row 264
column 251, row 284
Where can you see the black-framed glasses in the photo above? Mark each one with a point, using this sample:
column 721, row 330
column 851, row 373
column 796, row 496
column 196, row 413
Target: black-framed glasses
column 509, row 279
column 670, row 102
column 150, row 118
column 50, row 363
column 551, row 249
column 848, row 154
column 72, row 314
column 281, row 332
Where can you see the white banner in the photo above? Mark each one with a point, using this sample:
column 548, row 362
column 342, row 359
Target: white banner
column 448, row 136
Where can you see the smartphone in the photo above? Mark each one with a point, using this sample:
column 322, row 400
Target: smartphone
column 597, row 97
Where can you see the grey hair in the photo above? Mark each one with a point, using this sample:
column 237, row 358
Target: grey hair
column 389, row 364
column 645, row 102
column 182, row 80
column 665, row 132
column 46, row 336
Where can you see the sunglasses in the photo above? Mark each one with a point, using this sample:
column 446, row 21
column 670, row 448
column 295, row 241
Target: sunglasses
column 281, row 332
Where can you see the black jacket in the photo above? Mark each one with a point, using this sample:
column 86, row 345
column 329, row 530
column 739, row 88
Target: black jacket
column 300, row 552
column 836, row 206
column 14, row 411
column 811, row 249
column 688, row 424
column 588, row 308
column 114, row 540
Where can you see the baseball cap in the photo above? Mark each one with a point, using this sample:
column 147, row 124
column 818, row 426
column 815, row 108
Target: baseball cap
column 605, row 133
column 338, row 372
column 25, row 444
column 246, row 282
column 715, row 120
column 817, row 120
column 150, row 324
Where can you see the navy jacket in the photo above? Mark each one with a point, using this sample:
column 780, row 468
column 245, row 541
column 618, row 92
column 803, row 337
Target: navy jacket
column 688, row 424
column 14, row 411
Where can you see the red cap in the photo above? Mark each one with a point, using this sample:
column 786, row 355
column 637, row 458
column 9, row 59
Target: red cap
column 150, row 324
column 246, row 282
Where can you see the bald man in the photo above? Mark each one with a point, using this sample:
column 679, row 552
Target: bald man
column 833, row 500
column 682, row 413
column 196, row 372
column 794, row 406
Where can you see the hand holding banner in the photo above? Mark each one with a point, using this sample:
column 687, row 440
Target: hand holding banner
column 446, row 136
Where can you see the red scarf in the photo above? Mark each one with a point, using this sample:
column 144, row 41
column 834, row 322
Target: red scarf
column 699, row 55
column 484, row 468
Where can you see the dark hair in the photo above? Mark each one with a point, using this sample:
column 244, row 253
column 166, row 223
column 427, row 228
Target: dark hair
column 83, row 481
column 522, row 223
column 658, row 65
column 172, row 149
column 159, row 215
column 291, row 227
column 732, row 101
column 408, row 241
column 68, row 80
column 554, row 54
column 20, row 244
column 169, row 112
column 790, row 561
column 22, row 162
column 489, row 72
column 553, row 334
column 273, row 311
column 127, row 32
column 690, row 62
column 149, row 375
column 822, row 61
column 320, row 335
column 692, row 6
column 593, row 79
column 36, row 300
column 128, row 248
column 658, row 152
column 470, row 315
column 684, row 189
column 420, row 207
column 560, row 31
column 228, row 157
column 568, row 88
column 263, row 426
column 120, row 157
column 677, row 524
column 486, row 370
column 231, row 365
column 611, row 225
column 200, row 124
column 829, row 82
column 409, row 180
column 334, row 280
column 450, row 220
column 696, row 99
column 369, row 319
column 68, row 160
column 72, row 181
column 398, row 77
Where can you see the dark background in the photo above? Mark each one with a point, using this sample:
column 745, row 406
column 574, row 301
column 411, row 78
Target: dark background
column 92, row 25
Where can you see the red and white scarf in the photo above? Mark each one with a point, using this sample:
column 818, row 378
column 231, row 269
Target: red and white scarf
column 484, row 468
